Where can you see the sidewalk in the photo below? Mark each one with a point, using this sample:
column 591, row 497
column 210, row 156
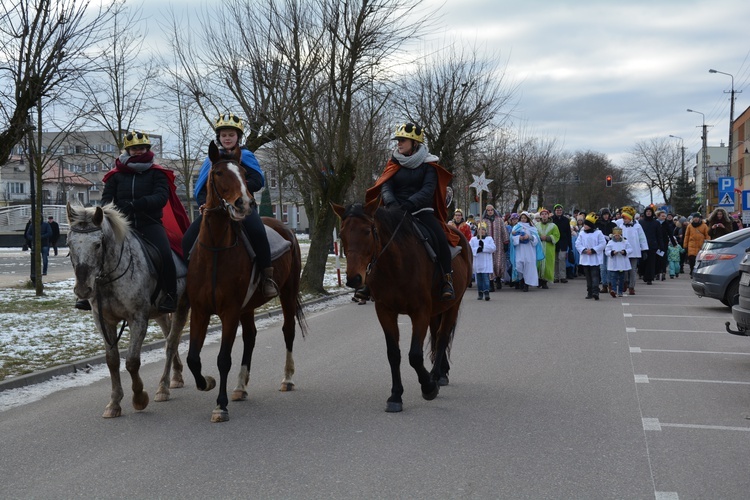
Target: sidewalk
column 15, row 265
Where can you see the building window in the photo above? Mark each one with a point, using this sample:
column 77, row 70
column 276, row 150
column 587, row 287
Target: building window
column 16, row 187
column 272, row 182
column 94, row 187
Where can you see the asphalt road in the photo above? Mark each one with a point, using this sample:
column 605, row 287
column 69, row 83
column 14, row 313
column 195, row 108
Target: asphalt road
column 551, row 396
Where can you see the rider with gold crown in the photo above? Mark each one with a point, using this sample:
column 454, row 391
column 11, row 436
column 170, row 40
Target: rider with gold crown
column 229, row 130
column 413, row 181
column 141, row 189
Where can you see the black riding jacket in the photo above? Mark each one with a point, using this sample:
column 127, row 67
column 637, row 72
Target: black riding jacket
column 416, row 185
column 141, row 196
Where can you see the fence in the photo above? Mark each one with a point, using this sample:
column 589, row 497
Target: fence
column 14, row 218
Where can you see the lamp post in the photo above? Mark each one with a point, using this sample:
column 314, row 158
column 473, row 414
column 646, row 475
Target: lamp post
column 704, row 136
column 731, row 115
column 682, row 148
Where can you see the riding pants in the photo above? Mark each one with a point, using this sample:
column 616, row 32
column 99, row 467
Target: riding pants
column 156, row 235
column 443, row 249
column 254, row 228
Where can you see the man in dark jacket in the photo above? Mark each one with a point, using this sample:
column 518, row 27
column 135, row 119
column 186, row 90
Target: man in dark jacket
column 46, row 234
column 652, row 230
column 562, row 246
column 55, row 233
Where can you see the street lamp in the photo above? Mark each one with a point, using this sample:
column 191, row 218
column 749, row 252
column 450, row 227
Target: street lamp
column 682, row 148
column 731, row 115
column 705, row 157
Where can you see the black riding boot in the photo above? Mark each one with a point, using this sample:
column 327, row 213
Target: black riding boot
column 446, row 292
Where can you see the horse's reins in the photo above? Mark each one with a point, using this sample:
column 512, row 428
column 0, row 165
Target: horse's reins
column 99, row 279
column 385, row 247
column 224, row 205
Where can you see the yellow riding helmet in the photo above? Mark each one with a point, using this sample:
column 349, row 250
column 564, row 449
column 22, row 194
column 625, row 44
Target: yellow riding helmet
column 410, row 131
column 136, row 138
column 229, row 120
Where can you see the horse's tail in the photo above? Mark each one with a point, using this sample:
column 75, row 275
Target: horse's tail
column 434, row 341
column 299, row 313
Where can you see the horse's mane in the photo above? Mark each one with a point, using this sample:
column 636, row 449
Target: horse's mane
column 389, row 220
column 84, row 217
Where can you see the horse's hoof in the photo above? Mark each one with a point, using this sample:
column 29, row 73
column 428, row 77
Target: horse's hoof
column 112, row 412
column 443, row 381
column 431, row 394
column 140, row 401
column 210, row 384
column 394, row 407
column 287, row 386
column 239, row 395
column 176, row 384
column 161, row 396
column 219, row 415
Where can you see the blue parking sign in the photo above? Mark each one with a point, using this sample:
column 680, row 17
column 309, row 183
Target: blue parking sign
column 746, row 200
column 726, row 191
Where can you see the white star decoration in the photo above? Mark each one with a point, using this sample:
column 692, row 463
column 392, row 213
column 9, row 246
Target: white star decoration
column 480, row 183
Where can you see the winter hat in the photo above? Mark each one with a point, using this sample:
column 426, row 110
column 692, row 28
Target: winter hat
column 514, row 216
column 628, row 212
column 543, row 210
column 604, row 210
column 695, row 214
column 557, row 205
column 590, row 220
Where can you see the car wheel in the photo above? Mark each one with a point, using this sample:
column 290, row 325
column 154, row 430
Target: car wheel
column 732, row 296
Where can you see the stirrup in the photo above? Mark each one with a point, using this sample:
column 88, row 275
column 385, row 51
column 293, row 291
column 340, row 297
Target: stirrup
column 270, row 289
column 362, row 293
column 447, row 292
column 168, row 304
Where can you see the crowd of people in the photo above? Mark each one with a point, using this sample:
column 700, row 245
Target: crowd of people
column 612, row 250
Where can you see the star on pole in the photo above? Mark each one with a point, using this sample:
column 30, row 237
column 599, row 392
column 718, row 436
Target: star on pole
column 480, row 182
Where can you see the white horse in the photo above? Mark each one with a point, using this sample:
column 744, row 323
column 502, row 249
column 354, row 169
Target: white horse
column 112, row 272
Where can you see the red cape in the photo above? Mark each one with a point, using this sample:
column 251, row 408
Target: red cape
column 174, row 217
column 438, row 203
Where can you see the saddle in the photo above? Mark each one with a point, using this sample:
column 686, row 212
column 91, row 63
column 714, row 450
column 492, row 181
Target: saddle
column 153, row 259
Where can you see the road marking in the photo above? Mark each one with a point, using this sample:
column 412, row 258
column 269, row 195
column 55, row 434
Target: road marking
column 730, row 382
column 635, row 349
column 679, row 331
column 666, row 495
column 674, row 316
column 690, row 352
column 653, row 424
column 628, row 315
column 641, row 379
column 630, row 329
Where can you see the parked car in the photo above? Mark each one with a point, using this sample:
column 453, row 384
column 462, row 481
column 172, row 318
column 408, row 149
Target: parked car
column 717, row 267
column 741, row 310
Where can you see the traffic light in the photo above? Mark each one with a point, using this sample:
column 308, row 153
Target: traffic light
column 608, row 181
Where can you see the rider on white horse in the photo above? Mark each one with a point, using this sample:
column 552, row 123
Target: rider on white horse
column 140, row 189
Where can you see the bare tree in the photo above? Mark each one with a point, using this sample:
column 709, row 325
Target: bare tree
column 43, row 48
column 657, row 163
column 459, row 98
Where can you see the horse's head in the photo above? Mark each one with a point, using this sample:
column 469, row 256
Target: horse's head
column 359, row 239
column 93, row 232
column 226, row 184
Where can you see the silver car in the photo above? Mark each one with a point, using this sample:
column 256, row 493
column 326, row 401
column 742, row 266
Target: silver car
column 717, row 267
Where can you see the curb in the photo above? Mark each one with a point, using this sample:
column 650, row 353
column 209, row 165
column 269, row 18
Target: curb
column 84, row 365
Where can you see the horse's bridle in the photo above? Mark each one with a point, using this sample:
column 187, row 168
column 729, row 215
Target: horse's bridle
column 99, row 280
column 384, row 247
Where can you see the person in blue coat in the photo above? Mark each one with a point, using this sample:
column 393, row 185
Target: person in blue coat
column 229, row 130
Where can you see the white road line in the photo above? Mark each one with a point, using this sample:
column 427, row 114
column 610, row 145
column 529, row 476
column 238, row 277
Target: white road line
column 681, row 351
column 674, row 316
column 729, row 382
column 666, row 495
column 653, row 424
column 641, row 330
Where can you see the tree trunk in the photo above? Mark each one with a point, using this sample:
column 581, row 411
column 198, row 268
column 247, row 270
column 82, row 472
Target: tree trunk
column 321, row 234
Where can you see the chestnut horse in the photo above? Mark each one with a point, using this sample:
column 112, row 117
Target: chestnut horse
column 383, row 251
column 222, row 280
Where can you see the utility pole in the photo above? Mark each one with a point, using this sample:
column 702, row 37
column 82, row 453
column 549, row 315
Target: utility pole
column 705, row 165
column 731, row 116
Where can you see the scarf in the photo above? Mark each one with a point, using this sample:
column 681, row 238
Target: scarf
column 135, row 164
column 420, row 156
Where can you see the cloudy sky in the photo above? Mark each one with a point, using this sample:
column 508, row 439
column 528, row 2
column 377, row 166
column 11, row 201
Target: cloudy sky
column 601, row 75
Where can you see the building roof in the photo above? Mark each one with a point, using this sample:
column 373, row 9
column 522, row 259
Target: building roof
column 56, row 173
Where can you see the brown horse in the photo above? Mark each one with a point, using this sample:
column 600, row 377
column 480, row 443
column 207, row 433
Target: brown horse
column 383, row 251
column 222, row 280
